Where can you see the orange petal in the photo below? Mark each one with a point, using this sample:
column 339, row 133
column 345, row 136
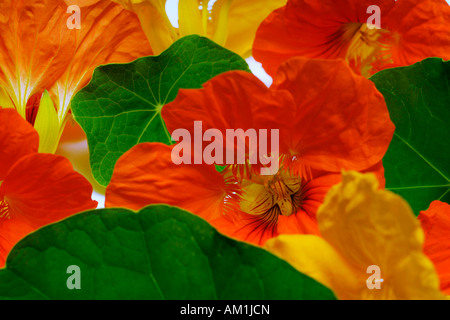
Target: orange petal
column 311, row 29
column 18, row 138
column 108, row 34
column 412, row 30
column 12, row 231
column 423, row 28
column 341, row 120
column 146, row 175
column 233, row 100
column 313, row 194
column 35, row 47
column 43, row 188
column 436, row 225
column 329, row 117
column 235, row 22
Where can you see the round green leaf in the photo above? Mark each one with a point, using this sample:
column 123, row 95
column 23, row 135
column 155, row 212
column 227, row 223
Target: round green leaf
column 417, row 163
column 161, row 252
column 121, row 106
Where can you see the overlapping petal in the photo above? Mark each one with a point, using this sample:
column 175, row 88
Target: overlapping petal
column 146, row 175
column 436, row 225
column 362, row 226
column 18, row 139
column 230, row 23
column 108, row 34
column 43, row 188
column 341, row 120
column 329, row 117
column 411, row 30
column 318, row 134
column 238, row 20
column 42, row 53
column 35, row 189
column 36, row 47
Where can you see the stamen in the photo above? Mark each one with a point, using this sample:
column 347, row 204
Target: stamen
column 264, row 198
column 4, row 209
column 367, row 47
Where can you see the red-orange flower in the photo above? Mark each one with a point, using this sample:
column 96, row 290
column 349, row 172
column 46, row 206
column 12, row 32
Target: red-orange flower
column 35, row 188
column 39, row 52
column 329, row 119
column 436, row 225
column 411, row 30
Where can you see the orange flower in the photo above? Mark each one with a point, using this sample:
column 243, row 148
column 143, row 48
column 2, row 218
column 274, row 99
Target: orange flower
column 411, row 30
column 38, row 52
column 35, row 189
column 328, row 118
column 436, row 225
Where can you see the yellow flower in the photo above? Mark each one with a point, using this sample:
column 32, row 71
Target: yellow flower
column 230, row 23
column 362, row 226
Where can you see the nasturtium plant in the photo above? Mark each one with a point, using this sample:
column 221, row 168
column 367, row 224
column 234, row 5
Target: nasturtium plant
column 161, row 252
column 121, row 106
column 417, row 163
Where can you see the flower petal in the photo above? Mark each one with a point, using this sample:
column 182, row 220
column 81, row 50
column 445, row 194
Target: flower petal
column 423, row 29
column 316, row 258
column 47, row 124
column 411, row 31
column 43, row 188
column 35, row 51
column 309, row 28
column 146, row 175
column 341, row 121
column 436, row 225
column 11, row 231
column 241, row 22
column 313, row 194
column 108, row 34
column 155, row 23
column 18, row 138
column 232, row 100
column 368, row 226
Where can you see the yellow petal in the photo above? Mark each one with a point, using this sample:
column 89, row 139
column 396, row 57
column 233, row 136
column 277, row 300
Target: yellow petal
column 369, row 226
column 243, row 18
column 220, row 21
column 377, row 218
column 316, row 258
column 190, row 17
column 47, row 125
column 5, row 100
column 362, row 226
column 154, row 22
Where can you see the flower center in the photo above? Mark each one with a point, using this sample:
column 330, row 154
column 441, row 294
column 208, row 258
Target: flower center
column 368, row 48
column 278, row 194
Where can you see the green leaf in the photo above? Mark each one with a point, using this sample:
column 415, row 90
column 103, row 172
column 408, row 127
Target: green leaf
column 417, row 163
column 121, row 106
column 161, row 252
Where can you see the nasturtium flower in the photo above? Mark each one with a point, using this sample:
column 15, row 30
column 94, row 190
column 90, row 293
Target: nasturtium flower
column 436, row 225
column 39, row 52
column 230, row 23
column 36, row 189
column 328, row 119
column 362, row 226
column 410, row 31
